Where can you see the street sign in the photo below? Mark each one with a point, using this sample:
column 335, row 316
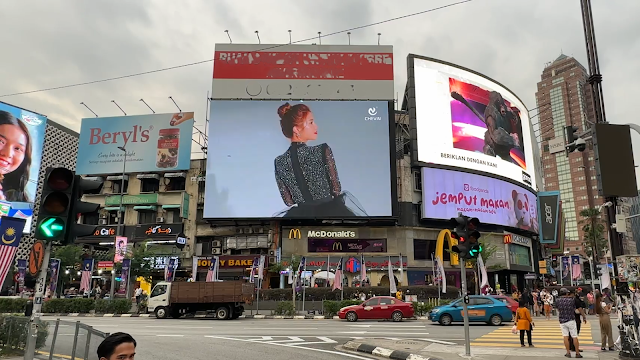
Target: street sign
column 36, row 257
column 530, row 276
column 181, row 241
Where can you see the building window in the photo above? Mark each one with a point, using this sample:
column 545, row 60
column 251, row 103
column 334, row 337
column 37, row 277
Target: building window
column 146, row 217
column 199, row 215
column 172, row 216
column 112, row 218
column 117, row 184
column 422, row 249
column 90, row 219
column 175, row 183
column 149, row 185
column 417, row 181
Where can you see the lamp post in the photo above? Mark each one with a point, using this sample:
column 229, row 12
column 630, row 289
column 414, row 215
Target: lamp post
column 120, row 230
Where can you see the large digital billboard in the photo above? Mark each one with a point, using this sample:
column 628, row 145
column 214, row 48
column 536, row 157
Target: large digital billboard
column 157, row 142
column 301, row 72
column 549, row 210
column 445, row 193
column 21, row 147
column 467, row 120
column 311, row 159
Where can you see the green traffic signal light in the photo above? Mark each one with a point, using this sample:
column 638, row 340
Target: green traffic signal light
column 51, row 227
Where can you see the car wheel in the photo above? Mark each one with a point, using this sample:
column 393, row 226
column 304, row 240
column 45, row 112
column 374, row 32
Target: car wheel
column 161, row 313
column 445, row 320
column 222, row 313
column 352, row 316
column 396, row 316
column 495, row 320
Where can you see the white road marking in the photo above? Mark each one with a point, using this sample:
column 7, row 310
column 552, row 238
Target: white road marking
column 290, row 339
column 440, row 342
column 297, row 347
column 389, row 326
column 171, row 335
column 287, row 329
column 383, row 332
column 179, row 327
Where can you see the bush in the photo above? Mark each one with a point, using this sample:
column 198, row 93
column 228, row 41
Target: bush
column 331, row 308
column 284, row 308
column 83, row 306
column 324, row 293
column 421, row 308
column 12, row 305
column 117, row 306
column 14, row 333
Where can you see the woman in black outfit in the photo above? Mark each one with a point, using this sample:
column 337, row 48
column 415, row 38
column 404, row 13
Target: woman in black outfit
column 307, row 176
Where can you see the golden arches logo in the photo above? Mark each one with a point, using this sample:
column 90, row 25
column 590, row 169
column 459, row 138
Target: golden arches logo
column 442, row 236
column 295, row 234
column 337, row 246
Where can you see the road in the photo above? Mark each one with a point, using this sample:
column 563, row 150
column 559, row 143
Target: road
column 202, row 338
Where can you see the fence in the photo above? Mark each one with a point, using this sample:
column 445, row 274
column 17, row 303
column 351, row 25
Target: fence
column 48, row 339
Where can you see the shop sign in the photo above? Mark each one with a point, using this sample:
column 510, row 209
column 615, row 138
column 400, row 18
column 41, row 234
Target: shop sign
column 107, row 231
column 105, row 265
column 141, row 199
column 161, row 262
column 346, row 245
column 510, row 238
column 158, row 230
column 323, row 234
column 231, row 261
column 371, row 262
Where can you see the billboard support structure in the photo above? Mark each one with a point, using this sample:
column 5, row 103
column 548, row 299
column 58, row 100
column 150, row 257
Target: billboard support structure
column 113, row 101
column 144, row 102
column 174, row 103
column 87, row 106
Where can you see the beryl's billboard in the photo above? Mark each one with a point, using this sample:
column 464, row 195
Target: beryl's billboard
column 157, row 142
column 21, row 143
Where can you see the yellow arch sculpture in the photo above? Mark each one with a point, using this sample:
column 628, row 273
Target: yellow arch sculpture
column 446, row 234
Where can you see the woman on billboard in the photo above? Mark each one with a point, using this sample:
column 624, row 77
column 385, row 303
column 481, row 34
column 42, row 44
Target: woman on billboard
column 307, row 176
column 15, row 158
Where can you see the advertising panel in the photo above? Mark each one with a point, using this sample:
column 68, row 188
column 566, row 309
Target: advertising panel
column 466, row 120
column 303, row 72
column 317, row 159
column 22, row 133
column 346, row 246
column 548, row 206
column 445, row 193
column 157, row 142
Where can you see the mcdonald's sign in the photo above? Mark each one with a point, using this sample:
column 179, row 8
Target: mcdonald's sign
column 337, row 246
column 295, row 234
column 508, row 239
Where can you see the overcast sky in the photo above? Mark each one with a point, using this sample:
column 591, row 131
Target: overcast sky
column 54, row 43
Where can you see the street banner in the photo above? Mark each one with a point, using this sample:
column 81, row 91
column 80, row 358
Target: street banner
column 170, row 270
column 121, row 249
column 54, row 272
column 124, row 276
column 22, row 271
column 392, row 279
column 85, row 280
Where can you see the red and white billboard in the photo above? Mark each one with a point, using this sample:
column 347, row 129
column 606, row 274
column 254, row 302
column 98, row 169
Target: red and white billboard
column 303, row 72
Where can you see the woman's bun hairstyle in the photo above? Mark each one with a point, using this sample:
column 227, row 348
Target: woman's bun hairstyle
column 282, row 110
column 290, row 116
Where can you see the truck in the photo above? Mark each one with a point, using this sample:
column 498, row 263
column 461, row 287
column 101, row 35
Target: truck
column 225, row 298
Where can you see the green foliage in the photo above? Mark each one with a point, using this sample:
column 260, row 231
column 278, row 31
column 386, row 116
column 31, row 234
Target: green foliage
column 325, row 293
column 593, row 228
column 285, row 264
column 421, row 308
column 141, row 261
column 117, row 306
column 84, row 306
column 12, row 305
column 14, row 333
column 331, row 308
column 69, row 255
column 284, row 308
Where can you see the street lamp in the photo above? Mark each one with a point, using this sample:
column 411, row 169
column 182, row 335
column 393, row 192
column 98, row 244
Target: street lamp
column 120, row 230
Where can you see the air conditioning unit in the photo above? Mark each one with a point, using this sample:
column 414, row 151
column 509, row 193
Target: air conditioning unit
column 159, row 219
column 216, row 244
column 239, row 231
column 258, row 230
column 272, row 252
column 102, row 222
column 248, row 231
column 103, row 215
column 216, row 251
column 199, row 249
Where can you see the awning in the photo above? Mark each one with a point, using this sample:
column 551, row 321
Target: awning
column 171, row 206
column 114, row 208
column 117, row 177
column 94, row 178
column 148, row 176
column 145, row 208
column 173, row 175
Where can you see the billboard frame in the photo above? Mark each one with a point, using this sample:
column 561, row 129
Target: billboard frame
column 413, row 126
column 549, row 193
column 393, row 173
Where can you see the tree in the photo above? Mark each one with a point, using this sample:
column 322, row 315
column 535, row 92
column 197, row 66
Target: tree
column 69, row 255
column 142, row 263
column 488, row 250
column 285, row 264
column 593, row 227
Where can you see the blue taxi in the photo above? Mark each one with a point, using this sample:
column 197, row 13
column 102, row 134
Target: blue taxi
column 481, row 309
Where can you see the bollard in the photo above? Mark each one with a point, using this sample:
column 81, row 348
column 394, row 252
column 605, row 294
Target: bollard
column 28, row 310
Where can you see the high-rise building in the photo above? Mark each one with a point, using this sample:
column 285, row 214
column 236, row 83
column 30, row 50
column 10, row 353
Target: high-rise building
column 563, row 99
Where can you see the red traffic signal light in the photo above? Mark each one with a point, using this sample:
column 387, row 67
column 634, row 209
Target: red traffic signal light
column 60, row 179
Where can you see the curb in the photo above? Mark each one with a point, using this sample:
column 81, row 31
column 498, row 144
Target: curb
column 207, row 316
column 385, row 353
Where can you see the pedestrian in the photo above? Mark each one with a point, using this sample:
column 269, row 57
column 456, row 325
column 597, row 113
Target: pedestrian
column 579, row 312
column 566, row 306
column 524, row 323
column 138, row 295
column 548, row 303
column 117, row 346
column 591, row 301
column 606, row 332
column 536, row 298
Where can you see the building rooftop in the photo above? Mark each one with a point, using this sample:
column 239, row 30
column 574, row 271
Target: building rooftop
column 561, row 57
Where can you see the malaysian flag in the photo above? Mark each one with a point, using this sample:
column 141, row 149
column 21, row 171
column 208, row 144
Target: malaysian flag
column 302, row 266
column 576, row 268
column 261, row 261
column 363, row 270
column 11, row 230
column 337, row 281
column 87, row 270
column 212, row 274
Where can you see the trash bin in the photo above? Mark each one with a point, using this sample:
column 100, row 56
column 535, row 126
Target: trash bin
column 28, row 310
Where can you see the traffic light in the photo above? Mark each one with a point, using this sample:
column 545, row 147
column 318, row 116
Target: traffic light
column 82, row 186
column 55, row 203
column 601, row 269
column 468, row 237
column 574, row 142
column 586, row 265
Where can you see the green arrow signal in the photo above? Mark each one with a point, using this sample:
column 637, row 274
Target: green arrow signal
column 51, row 227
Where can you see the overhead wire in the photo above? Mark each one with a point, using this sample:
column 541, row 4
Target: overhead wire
column 266, row 48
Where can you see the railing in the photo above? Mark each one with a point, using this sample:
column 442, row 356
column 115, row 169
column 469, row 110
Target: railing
column 33, row 337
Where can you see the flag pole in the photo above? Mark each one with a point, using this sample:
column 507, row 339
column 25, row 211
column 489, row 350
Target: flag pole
column 328, row 269
column 304, row 284
column 341, row 283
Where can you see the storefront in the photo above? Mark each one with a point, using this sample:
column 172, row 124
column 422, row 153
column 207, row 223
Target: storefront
column 232, row 267
column 518, row 250
column 105, row 235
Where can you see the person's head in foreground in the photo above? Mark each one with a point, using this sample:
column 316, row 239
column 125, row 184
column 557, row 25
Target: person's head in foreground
column 117, row 346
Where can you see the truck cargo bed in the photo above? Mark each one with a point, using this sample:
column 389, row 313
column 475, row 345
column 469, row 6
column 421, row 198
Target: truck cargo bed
column 211, row 292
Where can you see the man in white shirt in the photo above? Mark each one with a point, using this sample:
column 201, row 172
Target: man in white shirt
column 138, row 295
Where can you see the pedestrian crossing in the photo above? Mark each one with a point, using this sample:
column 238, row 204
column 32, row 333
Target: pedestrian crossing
column 546, row 335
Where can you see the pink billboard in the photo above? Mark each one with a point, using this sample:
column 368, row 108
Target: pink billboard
column 445, row 193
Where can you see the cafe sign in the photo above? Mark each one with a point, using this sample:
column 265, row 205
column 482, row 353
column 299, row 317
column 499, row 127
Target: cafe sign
column 108, row 231
column 158, row 230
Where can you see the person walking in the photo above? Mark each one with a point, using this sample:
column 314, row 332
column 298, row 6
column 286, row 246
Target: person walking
column 524, row 322
column 580, row 312
column 606, row 332
column 591, row 301
column 548, row 304
column 566, row 306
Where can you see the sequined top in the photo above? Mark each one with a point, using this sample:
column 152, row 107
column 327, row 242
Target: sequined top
column 307, row 173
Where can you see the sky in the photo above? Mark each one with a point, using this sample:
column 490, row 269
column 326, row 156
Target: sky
column 56, row 43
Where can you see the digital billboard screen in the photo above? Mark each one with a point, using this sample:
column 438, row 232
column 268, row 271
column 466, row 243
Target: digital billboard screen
column 157, row 142
column 468, row 121
column 21, row 146
column 548, row 208
column 311, row 159
column 445, row 193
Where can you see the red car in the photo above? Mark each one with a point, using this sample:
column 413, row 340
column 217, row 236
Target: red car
column 511, row 304
column 379, row 307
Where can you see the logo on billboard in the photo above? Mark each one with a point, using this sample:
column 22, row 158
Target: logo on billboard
column 547, row 212
column 373, row 111
column 31, row 119
column 337, row 246
column 372, row 115
column 330, row 234
column 295, row 234
column 353, row 265
column 526, row 178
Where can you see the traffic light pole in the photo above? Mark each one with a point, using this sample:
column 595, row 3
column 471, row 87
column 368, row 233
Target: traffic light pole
column 42, row 281
column 463, row 278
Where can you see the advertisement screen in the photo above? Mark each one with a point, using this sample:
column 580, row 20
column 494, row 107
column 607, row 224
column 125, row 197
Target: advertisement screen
column 21, row 146
column 548, row 208
column 445, row 193
column 311, row 159
column 466, row 120
column 157, row 142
